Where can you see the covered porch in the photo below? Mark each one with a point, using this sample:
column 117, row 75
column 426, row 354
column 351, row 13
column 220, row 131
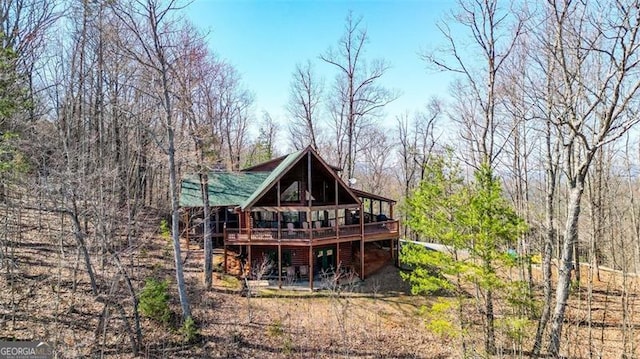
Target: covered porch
column 310, row 264
column 305, row 225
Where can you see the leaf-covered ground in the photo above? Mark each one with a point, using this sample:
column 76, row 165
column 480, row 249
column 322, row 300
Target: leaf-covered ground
column 45, row 295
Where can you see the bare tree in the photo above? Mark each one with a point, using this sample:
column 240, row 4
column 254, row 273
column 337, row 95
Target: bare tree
column 264, row 147
column 634, row 211
column 551, row 165
column 417, row 140
column 150, row 25
column 375, row 165
column 359, row 96
column 25, row 25
column 494, row 32
column 195, row 72
column 304, row 104
column 234, row 104
column 595, row 49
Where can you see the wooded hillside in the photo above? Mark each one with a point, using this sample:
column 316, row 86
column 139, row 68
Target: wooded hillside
column 105, row 105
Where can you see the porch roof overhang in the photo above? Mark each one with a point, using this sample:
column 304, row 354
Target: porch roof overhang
column 376, row 197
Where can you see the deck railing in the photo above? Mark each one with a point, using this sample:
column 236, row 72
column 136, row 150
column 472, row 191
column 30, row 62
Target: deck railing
column 381, row 227
column 235, row 235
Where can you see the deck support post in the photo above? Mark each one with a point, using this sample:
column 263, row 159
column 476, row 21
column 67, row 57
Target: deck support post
column 393, row 252
column 310, row 224
column 225, row 259
column 336, row 219
column 397, row 252
column 279, row 265
column 311, row 267
column 309, row 200
column 224, row 243
column 279, row 236
column 248, row 266
column 279, row 217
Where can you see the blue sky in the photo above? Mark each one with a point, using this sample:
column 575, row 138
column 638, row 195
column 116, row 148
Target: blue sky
column 265, row 40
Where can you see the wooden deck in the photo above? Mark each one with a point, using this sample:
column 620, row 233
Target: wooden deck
column 268, row 236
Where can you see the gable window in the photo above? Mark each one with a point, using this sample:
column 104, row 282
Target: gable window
column 292, row 193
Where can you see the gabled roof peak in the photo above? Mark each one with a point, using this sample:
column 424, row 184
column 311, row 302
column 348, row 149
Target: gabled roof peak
column 244, row 188
column 284, row 166
column 270, row 165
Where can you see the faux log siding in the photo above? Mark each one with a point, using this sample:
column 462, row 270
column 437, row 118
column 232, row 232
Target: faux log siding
column 258, row 252
column 299, row 255
column 346, row 254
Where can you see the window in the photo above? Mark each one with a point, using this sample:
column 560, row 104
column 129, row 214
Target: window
column 292, row 193
column 272, row 255
column 292, row 217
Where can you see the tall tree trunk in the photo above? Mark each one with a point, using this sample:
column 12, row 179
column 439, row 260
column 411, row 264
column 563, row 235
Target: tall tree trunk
column 208, row 240
column 82, row 247
column 490, row 337
column 175, row 224
column 175, row 214
column 566, row 264
column 547, row 253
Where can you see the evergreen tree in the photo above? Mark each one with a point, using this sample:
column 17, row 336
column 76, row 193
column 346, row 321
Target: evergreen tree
column 477, row 227
column 13, row 97
column 12, row 101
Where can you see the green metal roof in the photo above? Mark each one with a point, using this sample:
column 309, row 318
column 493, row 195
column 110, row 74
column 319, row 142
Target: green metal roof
column 225, row 188
column 238, row 188
column 277, row 172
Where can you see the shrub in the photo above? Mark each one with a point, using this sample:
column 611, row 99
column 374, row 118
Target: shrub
column 154, row 301
column 287, row 346
column 165, row 230
column 275, row 329
column 165, row 233
column 516, row 329
column 439, row 319
column 536, row 259
column 189, row 330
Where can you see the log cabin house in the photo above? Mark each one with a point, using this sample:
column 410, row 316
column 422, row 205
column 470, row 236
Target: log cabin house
column 294, row 211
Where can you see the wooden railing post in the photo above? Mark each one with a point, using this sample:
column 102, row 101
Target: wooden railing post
column 249, row 223
column 248, row 266
column 311, row 267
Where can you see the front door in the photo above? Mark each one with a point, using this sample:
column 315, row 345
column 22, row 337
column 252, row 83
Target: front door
column 325, row 259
